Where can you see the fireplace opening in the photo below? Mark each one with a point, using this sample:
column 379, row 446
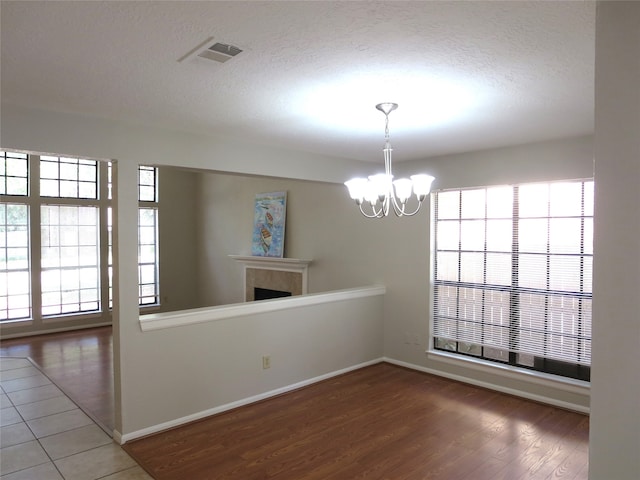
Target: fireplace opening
column 266, row 294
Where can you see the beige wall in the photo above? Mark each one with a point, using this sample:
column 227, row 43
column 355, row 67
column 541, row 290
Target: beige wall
column 178, row 230
column 319, row 227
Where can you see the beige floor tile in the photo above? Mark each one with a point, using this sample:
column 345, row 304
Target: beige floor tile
column 35, row 394
column 60, row 422
column 19, row 373
column 8, row 363
column 46, row 471
column 75, row 441
column 23, row 383
column 15, row 434
column 135, row 473
column 19, row 457
column 29, row 411
column 96, row 463
column 9, row 416
column 4, row 401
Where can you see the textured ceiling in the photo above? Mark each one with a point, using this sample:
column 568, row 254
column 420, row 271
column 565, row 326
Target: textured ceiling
column 467, row 75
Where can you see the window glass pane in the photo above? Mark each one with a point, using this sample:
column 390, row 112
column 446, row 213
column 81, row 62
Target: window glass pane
column 533, row 200
column 564, row 273
column 472, row 235
column 471, row 267
column 67, row 177
column 565, row 199
column 565, row 235
column 447, row 266
column 533, row 235
column 588, row 199
column 498, row 269
column 532, row 271
column 71, row 260
column 473, row 203
column 499, row 235
column 449, row 205
column 496, row 308
column 147, row 183
column 14, row 173
column 500, row 202
column 148, row 255
column 15, row 288
column 448, row 235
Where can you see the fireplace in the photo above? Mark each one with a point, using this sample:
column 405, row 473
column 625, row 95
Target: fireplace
column 276, row 274
column 267, row 294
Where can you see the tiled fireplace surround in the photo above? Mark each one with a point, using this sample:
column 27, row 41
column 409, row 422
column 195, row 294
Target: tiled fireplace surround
column 283, row 274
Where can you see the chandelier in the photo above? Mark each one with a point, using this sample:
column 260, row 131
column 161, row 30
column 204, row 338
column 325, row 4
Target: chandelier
column 381, row 191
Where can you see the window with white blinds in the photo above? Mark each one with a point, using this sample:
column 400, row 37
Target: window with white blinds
column 513, row 273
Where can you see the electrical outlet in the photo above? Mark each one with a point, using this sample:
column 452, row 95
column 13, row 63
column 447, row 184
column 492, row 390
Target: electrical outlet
column 266, row 362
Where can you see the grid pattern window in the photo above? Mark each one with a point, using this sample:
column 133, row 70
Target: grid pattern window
column 14, row 173
column 148, row 258
column 70, row 259
column 147, row 184
column 513, row 273
column 148, row 255
column 15, row 287
column 64, row 177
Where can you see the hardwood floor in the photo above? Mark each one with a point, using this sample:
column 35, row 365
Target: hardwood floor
column 380, row 422
column 79, row 362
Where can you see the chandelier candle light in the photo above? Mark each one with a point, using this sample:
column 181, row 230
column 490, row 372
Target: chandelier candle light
column 378, row 190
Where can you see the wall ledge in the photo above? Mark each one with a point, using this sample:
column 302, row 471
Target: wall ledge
column 159, row 321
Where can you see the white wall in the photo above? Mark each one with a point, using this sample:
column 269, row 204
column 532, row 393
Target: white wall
column 614, row 445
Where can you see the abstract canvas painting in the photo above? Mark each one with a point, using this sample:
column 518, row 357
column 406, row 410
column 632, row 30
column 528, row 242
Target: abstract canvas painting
column 268, row 224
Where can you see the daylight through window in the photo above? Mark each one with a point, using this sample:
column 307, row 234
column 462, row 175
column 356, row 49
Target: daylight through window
column 54, row 228
column 513, row 274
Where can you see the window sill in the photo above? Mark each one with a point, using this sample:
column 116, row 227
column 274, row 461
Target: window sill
column 570, row 385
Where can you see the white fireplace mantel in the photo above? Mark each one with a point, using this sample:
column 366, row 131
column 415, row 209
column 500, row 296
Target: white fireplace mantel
column 294, row 265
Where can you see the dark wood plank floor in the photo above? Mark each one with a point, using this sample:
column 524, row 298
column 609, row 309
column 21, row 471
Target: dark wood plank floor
column 79, row 362
column 380, row 422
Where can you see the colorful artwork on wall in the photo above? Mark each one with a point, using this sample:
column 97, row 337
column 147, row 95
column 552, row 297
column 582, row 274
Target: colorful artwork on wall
column 268, row 224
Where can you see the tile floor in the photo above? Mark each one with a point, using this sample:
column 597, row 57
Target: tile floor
column 45, row 436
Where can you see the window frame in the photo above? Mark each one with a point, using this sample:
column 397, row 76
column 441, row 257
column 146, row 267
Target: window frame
column 35, row 202
column 548, row 367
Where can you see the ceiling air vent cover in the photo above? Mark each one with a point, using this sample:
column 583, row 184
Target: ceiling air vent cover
column 218, row 52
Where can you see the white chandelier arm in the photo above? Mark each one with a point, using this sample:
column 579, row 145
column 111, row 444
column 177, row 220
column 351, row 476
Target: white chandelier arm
column 399, row 209
column 375, row 213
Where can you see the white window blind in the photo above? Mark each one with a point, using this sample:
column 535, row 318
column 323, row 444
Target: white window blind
column 513, row 274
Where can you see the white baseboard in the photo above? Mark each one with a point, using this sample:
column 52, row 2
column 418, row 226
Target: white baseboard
column 123, row 438
column 491, row 386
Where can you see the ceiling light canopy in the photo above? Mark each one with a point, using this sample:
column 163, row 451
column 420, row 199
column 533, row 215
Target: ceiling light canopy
column 381, row 191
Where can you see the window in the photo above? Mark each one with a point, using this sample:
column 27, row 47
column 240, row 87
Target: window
column 54, row 228
column 513, row 274
column 148, row 235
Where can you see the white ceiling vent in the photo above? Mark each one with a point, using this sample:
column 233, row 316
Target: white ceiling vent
column 210, row 50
